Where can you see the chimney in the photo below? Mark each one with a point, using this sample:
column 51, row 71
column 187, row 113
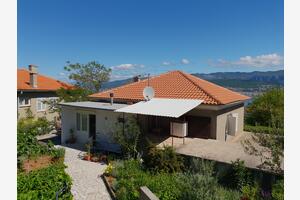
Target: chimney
column 136, row 78
column 111, row 98
column 33, row 75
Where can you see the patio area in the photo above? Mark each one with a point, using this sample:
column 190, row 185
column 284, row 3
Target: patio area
column 220, row 151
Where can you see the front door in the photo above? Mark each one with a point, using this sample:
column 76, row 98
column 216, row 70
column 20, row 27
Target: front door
column 92, row 126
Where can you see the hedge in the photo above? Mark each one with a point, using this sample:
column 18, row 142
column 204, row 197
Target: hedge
column 44, row 183
column 131, row 175
column 263, row 129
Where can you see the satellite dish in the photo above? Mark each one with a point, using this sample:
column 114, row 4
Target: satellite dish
column 148, row 93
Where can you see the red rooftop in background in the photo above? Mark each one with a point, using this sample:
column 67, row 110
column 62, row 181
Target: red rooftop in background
column 44, row 83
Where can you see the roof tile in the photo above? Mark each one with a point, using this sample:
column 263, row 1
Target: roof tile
column 177, row 85
column 44, row 83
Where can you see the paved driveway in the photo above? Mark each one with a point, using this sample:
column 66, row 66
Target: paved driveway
column 87, row 183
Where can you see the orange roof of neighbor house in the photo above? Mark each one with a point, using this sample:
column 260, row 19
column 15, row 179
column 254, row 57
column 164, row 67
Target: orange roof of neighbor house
column 44, row 83
column 175, row 85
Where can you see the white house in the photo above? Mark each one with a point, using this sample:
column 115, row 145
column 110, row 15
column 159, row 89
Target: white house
column 183, row 105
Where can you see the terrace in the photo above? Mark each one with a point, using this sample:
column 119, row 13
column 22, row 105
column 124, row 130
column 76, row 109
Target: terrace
column 220, row 151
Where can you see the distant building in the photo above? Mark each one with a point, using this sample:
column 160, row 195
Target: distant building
column 33, row 89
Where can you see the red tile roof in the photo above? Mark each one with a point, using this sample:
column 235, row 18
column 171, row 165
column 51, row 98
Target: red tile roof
column 176, row 85
column 44, row 83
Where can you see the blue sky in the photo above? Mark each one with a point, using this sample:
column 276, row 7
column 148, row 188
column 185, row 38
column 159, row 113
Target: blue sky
column 136, row 37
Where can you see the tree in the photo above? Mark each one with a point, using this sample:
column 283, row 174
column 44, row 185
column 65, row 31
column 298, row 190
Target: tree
column 127, row 136
column 88, row 76
column 67, row 95
column 267, row 110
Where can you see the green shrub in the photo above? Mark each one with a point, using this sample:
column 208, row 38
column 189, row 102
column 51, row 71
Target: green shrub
column 27, row 145
column 58, row 153
column 236, row 175
column 197, row 187
column 117, row 164
column 241, row 173
column 37, row 126
column 44, row 183
column 166, row 186
column 251, row 192
column 127, row 135
column 131, row 176
column 278, row 190
column 266, row 109
column 109, row 169
column 227, row 194
column 163, row 160
column 263, row 129
column 201, row 166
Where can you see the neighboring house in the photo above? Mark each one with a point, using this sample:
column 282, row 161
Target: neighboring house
column 33, row 90
column 183, row 106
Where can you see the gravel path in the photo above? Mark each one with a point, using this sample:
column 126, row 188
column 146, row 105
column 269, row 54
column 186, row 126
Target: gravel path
column 86, row 180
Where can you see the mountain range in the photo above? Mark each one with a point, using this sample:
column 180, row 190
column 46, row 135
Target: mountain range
column 235, row 80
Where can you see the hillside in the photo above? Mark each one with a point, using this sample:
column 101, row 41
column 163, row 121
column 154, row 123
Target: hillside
column 248, row 83
column 245, row 79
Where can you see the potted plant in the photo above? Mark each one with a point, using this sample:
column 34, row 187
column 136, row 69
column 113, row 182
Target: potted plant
column 95, row 158
column 87, row 156
column 103, row 158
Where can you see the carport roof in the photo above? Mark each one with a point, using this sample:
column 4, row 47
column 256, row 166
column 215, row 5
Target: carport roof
column 162, row 107
column 95, row 105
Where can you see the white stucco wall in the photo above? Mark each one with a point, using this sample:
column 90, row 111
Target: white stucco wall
column 105, row 125
column 221, row 122
column 68, row 121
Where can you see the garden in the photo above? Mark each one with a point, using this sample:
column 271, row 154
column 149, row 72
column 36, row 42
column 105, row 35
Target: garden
column 41, row 171
column 171, row 176
column 264, row 118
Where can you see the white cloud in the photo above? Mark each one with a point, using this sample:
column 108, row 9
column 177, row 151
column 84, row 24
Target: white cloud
column 127, row 66
column 119, row 77
column 166, row 63
column 62, row 74
column 124, row 71
column 184, row 61
column 265, row 60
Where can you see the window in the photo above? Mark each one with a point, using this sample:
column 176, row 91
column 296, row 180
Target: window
column 81, row 122
column 41, row 104
column 23, row 101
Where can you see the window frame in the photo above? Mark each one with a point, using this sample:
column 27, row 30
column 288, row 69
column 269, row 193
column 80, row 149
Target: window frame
column 83, row 126
column 44, row 106
column 23, row 99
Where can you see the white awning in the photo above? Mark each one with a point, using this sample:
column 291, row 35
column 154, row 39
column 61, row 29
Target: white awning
column 162, row 107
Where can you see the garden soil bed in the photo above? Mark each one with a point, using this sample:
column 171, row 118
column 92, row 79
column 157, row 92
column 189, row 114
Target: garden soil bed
column 37, row 163
column 108, row 180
